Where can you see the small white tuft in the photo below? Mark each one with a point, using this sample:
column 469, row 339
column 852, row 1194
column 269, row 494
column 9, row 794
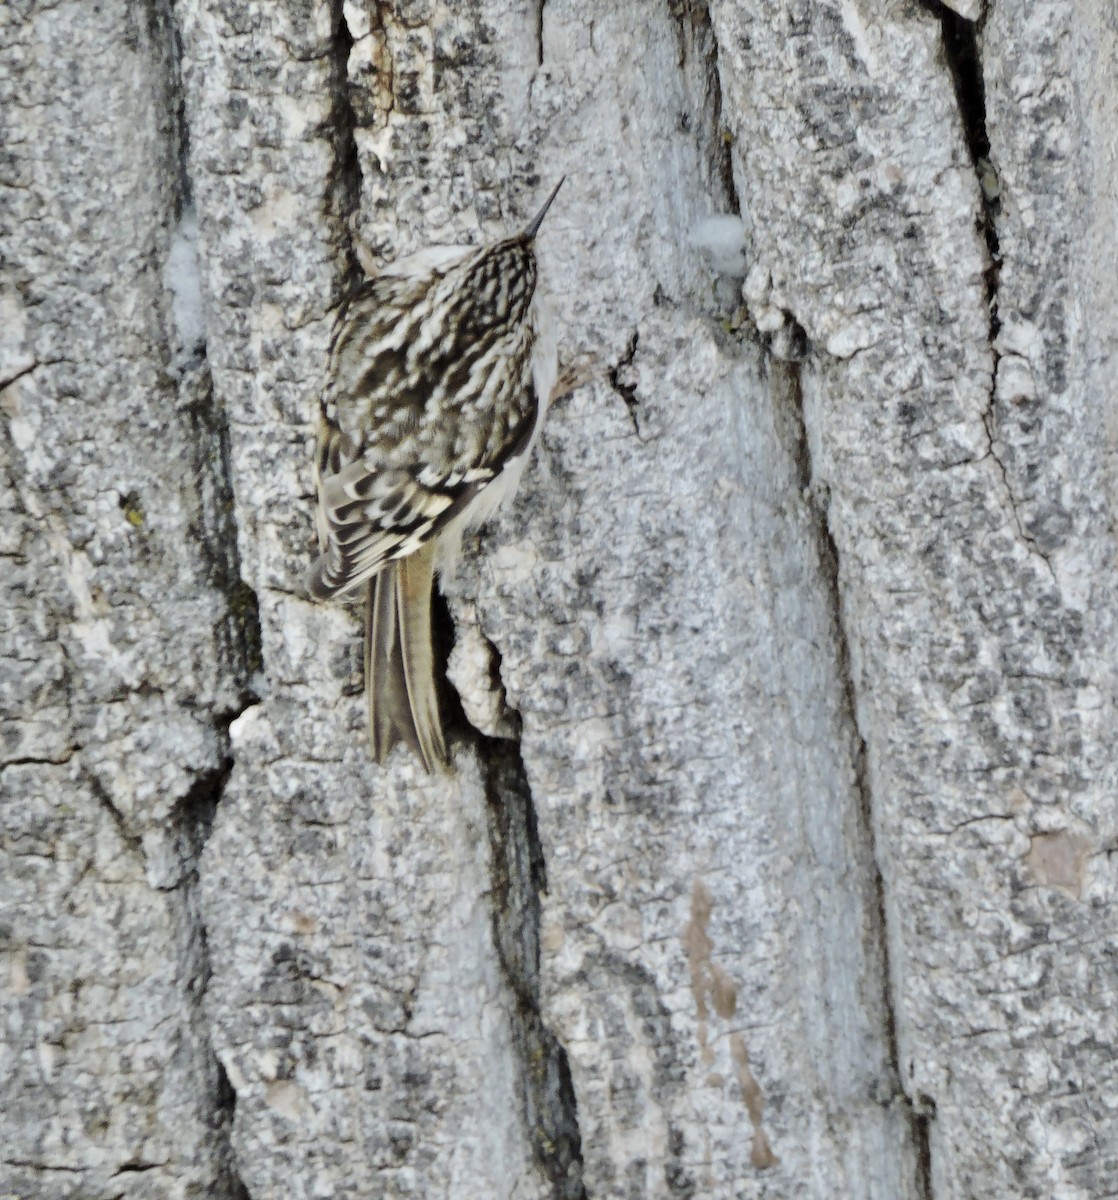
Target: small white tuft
column 722, row 240
column 183, row 280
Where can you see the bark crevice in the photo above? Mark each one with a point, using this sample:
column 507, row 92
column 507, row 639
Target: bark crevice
column 538, row 14
column 962, row 50
column 193, row 819
column 238, row 634
column 622, row 384
column 698, row 63
column 919, row 1113
column 108, row 806
column 519, row 879
column 345, row 178
column 961, row 39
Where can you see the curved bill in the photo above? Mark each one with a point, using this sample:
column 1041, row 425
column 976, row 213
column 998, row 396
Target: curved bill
column 532, row 228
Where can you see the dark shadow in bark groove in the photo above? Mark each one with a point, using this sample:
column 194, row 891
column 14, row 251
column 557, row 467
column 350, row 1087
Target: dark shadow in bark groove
column 540, row 4
column 239, row 649
column 547, row 1093
column 226, row 1110
column 788, row 399
column 962, row 51
column 193, row 819
column 620, row 384
column 344, row 182
column 519, row 878
column 698, row 63
column 239, row 644
column 238, row 634
column 921, row 1123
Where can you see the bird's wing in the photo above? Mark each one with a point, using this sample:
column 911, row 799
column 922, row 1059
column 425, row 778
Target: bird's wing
column 369, row 515
column 372, row 517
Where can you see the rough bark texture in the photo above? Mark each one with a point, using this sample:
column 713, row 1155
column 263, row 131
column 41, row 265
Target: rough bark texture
column 779, row 857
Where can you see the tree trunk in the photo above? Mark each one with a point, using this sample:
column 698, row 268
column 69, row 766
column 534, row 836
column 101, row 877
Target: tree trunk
column 779, row 855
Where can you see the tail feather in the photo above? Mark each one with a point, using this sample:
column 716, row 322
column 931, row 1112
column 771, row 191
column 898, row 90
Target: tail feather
column 399, row 661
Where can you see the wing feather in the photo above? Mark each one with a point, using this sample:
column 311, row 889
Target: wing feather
column 375, row 517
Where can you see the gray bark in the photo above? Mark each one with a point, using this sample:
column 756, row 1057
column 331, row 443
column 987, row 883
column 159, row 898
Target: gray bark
column 779, row 855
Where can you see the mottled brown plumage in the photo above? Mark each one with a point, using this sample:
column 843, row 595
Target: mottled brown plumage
column 439, row 375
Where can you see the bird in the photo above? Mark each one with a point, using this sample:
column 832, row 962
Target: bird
column 439, row 374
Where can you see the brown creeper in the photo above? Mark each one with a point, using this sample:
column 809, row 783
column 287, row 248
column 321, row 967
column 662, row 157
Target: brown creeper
column 440, row 372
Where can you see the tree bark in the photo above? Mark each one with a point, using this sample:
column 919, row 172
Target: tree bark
column 778, row 858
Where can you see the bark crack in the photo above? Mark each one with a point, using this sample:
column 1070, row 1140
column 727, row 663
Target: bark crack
column 539, row 7
column 989, row 422
column 105, row 801
column 345, row 178
column 238, row 635
column 698, row 61
column 7, row 382
column 620, row 380
column 919, row 1113
column 962, row 51
column 194, row 817
column 519, row 879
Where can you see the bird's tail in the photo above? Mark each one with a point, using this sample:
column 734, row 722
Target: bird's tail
column 400, row 663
